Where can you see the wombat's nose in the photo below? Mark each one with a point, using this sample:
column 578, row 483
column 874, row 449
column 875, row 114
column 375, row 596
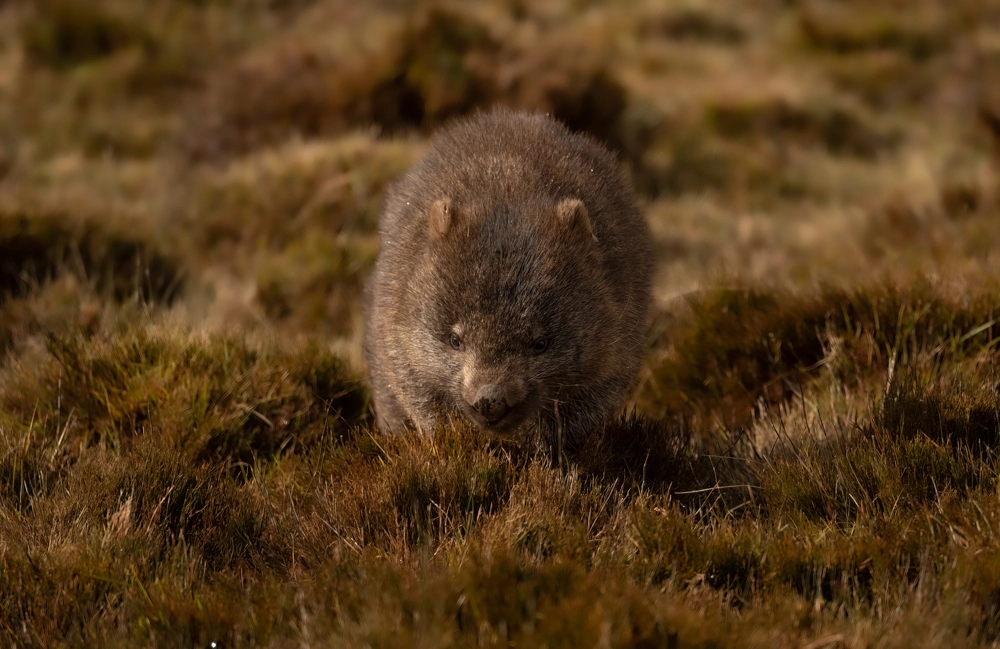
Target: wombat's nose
column 491, row 402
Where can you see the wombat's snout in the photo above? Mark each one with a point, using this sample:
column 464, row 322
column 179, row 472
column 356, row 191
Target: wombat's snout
column 491, row 402
column 493, row 398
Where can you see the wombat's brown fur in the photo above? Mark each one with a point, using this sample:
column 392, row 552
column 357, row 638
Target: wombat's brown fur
column 513, row 282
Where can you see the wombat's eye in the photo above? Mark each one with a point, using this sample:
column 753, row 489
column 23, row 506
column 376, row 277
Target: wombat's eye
column 540, row 345
column 456, row 341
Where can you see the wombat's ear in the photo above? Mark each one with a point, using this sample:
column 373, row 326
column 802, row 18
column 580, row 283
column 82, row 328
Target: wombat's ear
column 442, row 218
column 572, row 213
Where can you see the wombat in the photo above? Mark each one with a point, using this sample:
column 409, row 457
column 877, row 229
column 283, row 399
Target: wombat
column 512, row 284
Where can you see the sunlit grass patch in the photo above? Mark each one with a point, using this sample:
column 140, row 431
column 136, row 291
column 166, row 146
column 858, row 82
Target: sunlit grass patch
column 269, row 199
column 401, row 493
column 176, row 522
column 216, row 401
column 300, row 220
column 469, row 533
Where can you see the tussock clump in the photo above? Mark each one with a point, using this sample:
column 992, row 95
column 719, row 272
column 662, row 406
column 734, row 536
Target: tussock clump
column 218, row 401
column 884, row 80
column 444, row 62
column 746, row 147
column 890, row 56
column 919, row 32
column 925, row 444
column 148, row 445
column 177, row 522
column 695, row 25
column 899, row 55
column 159, row 490
column 961, row 213
column 945, row 412
column 562, row 73
column 285, row 195
column 557, row 512
column 862, row 478
column 421, row 77
column 838, row 129
column 316, row 282
column 560, row 596
column 301, row 221
column 420, row 489
column 961, row 199
column 109, row 77
column 736, row 347
column 636, row 450
column 689, row 163
column 62, row 307
column 568, row 75
column 440, row 69
column 63, row 33
column 731, row 560
column 36, row 245
column 133, row 49
column 689, row 156
column 661, row 456
column 265, row 101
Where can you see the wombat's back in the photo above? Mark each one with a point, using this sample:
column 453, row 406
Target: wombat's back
column 500, row 157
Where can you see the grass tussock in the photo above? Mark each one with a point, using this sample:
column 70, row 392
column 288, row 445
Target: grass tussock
column 37, row 244
column 736, row 347
column 925, row 445
column 223, row 401
column 444, row 60
column 60, row 33
column 694, row 25
column 316, row 282
column 833, row 128
column 494, row 540
column 748, row 148
column 189, row 200
column 282, row 196
column 919, row 34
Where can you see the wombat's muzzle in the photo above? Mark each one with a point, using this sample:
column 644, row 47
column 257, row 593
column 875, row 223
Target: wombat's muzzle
column 491, row 402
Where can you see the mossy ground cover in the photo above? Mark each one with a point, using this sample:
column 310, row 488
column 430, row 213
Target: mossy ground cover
column 189, row 193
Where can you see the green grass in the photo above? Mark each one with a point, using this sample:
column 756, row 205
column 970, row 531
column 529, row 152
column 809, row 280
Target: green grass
column 189, row 197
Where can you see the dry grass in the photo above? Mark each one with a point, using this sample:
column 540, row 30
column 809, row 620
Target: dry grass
column 189, row 194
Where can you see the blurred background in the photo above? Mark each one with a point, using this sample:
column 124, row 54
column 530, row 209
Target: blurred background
column 228, row 158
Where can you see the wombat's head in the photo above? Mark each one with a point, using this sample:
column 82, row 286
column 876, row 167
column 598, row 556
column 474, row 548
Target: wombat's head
column 516, row 311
